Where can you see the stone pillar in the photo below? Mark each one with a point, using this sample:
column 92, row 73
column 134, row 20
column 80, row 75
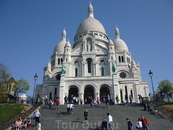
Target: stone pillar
column 96, row 95
column 84, row 69
column 135, row 98
column 61, row 89
column 94, row 69
column 81, row 96
column 115, row 86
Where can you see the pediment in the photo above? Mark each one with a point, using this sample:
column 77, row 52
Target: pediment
column 101, row 49
column 77, row 50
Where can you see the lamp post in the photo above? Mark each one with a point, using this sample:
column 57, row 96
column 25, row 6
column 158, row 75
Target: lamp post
column 35, row 78
column 151, row 75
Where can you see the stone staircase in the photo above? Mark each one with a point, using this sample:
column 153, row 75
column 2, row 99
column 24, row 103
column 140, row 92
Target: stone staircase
column 52, row 119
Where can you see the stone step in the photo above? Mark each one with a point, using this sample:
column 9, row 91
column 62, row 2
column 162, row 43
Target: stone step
column 52, row 119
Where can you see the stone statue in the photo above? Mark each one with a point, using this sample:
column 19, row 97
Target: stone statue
column 89, row 46
column 113, row 67
column 63, row 69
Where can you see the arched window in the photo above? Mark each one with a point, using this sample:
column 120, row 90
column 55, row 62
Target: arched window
column 102, row 67
column 61, row 61
column 55, row 93
column 119, row 59
column 76, row 72
column 58, row 61
column 131, row 92
column 122, row 58
column 50, row 95
column 128, row 60
column 102, row 72
column 126, row 92
column 89, row 61
column 121, row 95
column 76, row 68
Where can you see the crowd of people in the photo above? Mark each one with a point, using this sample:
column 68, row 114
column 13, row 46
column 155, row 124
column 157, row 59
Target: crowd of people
column 141, row 124
column 26, row 123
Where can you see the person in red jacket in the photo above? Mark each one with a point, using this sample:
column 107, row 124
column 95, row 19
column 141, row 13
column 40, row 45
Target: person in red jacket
column 57, row 103
column 144, row 123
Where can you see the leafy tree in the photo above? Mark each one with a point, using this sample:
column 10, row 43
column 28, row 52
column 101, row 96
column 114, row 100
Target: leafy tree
column 22, row 86
column 4, row 80
column 165, row 86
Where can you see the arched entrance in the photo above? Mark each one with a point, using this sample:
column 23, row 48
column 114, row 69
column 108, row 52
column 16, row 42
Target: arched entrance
column 73, row 90
column 89, row 92
column 104, row 91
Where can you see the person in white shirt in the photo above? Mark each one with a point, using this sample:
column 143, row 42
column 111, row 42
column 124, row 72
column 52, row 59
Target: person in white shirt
column 139, row 124
column 110, row 121
column 38, row 126
column 72, row 108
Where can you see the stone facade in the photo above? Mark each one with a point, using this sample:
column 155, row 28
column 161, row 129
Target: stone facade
column 94, row 67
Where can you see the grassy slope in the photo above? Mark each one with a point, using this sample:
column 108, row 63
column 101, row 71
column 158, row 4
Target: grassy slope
column 7, row 111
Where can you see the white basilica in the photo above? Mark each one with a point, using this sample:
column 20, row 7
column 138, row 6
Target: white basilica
column 89, row 66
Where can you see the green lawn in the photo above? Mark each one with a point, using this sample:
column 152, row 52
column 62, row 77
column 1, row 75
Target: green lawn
column 7, row 111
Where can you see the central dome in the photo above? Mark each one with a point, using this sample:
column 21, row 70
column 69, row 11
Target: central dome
column 90, row 24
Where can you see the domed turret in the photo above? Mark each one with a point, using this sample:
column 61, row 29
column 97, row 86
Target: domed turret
column 59, row 49
column 120, row 45
column 68, row 44
column 110, row 42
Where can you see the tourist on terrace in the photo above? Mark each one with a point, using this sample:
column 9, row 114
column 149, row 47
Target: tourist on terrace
column 57, row 103
column 110, row 121
column 86, row 116
column 37, row 116
column 144, row 123
column 139, row 124
column 129, row 124
column 50, row 104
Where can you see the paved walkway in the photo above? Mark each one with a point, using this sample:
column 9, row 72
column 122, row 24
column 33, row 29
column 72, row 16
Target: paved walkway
column 59, row 120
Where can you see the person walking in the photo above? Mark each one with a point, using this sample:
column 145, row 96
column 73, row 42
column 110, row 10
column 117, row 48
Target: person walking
column 57, row 103
column 38, row 126
column 86, row 116
column 45, row 99
column 117, row 99
column 72, row 108
column 65, row 99
column 110, row 121
column 37, row 116
column 144, row 123
column 129, row 124
column 68, row 108
column 130, row 98
column 107, row 103
column 139, row 124
column 50, row 103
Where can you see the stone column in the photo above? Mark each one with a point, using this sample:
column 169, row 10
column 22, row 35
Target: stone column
column 61, row 89
column 81, row 96
column 115, row 86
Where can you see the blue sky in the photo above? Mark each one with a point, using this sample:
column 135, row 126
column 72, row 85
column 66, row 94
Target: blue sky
column 30, row 30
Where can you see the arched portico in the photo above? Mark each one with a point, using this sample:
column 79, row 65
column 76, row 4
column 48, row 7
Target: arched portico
column 104, row 90
column 89, row 92
column 73, row 90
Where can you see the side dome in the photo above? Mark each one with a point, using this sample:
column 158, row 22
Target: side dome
column 59, row 48
column 90, row 24
column 120, row 45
